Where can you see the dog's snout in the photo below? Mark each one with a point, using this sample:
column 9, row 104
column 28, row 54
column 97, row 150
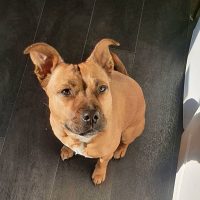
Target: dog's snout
column 91, row 116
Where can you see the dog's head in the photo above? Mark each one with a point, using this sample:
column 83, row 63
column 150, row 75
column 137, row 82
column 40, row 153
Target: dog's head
column 79, row 94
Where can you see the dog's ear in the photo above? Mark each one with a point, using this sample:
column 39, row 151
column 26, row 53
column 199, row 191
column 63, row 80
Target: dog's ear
column 102, row 55
column 45, row 58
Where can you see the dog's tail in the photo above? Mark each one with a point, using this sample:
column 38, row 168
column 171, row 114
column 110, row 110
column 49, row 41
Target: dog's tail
column 119, row 66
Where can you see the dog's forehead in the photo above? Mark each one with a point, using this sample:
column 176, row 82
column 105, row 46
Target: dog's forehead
column 65, row 74
column 91, row 72
column 69, row 75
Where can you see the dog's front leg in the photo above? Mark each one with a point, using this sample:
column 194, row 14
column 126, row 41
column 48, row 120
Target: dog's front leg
column 66, row 153
column 99, row 173
column 66, row 150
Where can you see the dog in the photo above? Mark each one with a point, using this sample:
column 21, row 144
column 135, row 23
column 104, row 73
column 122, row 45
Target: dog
column 96, row 109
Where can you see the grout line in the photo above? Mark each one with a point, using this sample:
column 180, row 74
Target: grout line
column 1, row 147
column 138, row 32
column 88, row 30
column 54, row 178
column 132, row 63
column 21, row 81
column 40, row 17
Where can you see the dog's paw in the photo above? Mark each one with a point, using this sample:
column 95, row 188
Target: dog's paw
column 66, row 153
column 98, row 178
column 120, row 152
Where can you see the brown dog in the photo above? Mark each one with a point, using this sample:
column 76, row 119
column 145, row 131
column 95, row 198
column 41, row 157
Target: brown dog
column 95, row 111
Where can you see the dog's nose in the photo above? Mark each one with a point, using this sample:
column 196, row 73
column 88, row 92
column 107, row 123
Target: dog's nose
column 91, row 116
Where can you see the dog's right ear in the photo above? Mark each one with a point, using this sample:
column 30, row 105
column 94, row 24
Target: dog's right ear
column 106, row 58
column 45, row 58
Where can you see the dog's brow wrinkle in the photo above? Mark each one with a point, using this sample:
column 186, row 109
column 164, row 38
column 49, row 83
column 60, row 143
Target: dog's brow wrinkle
column 72, row 83
column 96, row 82
column 84, row 85
column 78, row 68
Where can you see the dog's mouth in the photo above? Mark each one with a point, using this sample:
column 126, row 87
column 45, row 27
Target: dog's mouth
column 89, row 132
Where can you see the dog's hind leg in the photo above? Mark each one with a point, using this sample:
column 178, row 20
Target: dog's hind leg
column 128, row 136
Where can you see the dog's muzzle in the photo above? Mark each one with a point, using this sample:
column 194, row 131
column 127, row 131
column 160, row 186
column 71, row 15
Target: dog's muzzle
column 91, row 117
column 90, row 122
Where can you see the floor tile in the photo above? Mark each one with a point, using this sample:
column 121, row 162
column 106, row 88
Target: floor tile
column 17, row 28
column 118, row 20
column 148, row 171
column 1, row 144
column 64, row 25
column 30, row 155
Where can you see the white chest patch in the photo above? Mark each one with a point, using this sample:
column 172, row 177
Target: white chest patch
column 80, row 149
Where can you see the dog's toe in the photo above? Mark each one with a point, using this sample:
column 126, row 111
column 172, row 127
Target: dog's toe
column 66, row 153
column 98, row 178
column 119, row 153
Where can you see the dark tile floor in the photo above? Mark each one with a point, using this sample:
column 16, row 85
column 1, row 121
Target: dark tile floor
column 154, row 43
column 1, row 143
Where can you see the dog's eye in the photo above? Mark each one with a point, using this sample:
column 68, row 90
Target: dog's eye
column 66, row 92
column 102, row 88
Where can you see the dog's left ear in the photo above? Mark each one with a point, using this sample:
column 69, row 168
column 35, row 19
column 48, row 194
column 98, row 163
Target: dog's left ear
column 102, row 55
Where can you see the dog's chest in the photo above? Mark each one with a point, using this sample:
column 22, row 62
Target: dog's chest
column 80, row 149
